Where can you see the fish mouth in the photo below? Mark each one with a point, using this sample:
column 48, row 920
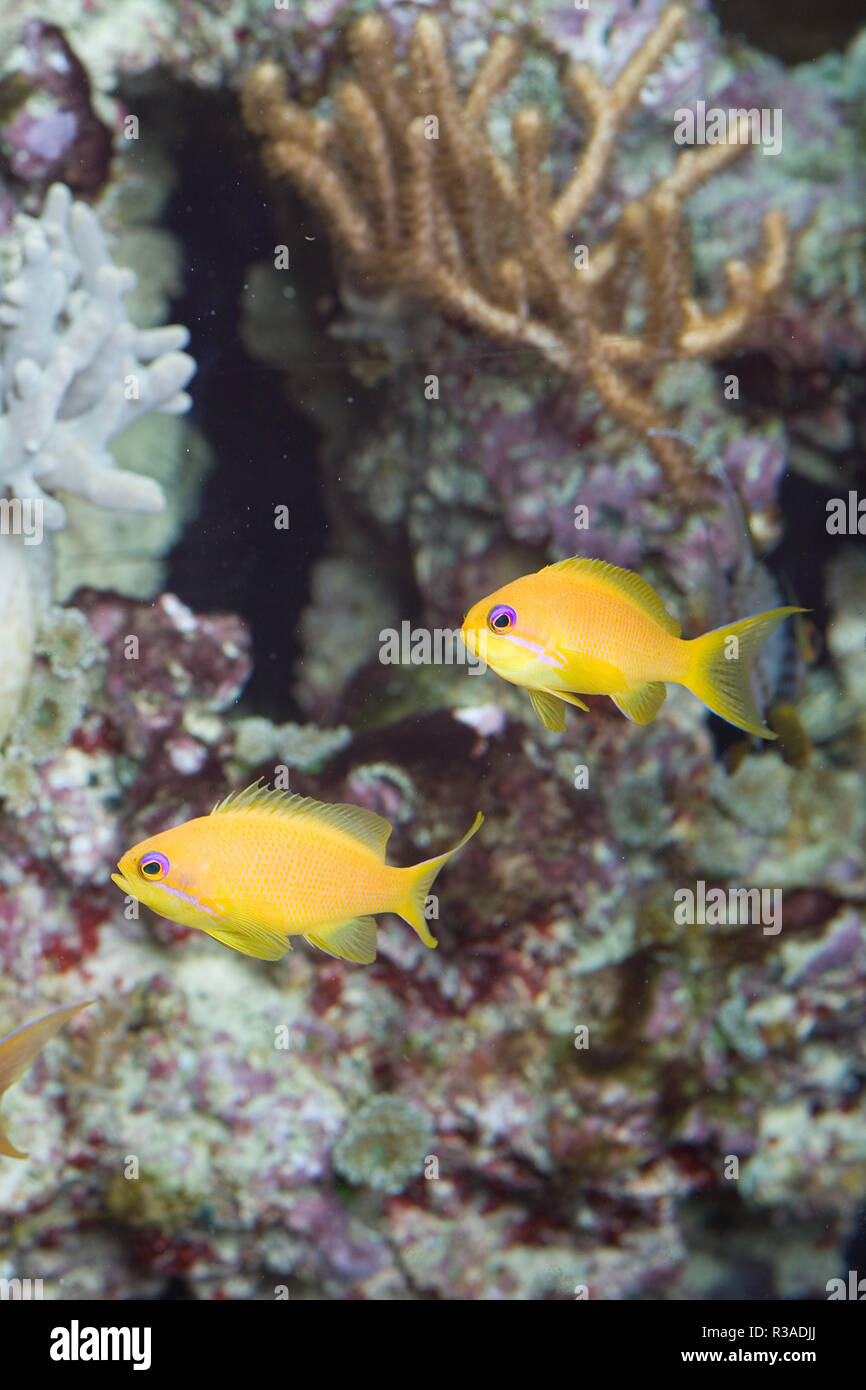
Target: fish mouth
column 123, row 883
column 473, row 637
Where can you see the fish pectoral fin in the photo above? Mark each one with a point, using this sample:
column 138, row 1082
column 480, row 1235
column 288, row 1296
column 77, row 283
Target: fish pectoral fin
column 549, row 709
column 249, row 938
column 643, row 702
column 355, row 940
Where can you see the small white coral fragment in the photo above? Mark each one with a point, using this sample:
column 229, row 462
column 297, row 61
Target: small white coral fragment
column 74, row 371
column 18, row 601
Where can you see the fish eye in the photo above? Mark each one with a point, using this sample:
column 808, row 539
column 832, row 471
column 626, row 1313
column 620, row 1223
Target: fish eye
column 153, row 865
column 501, row 618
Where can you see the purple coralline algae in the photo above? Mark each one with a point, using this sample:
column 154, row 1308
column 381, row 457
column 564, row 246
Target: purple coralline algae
column 53, row 134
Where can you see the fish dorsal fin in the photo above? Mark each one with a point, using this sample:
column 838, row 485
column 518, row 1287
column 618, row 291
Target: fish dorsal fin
column 628, row 583
column 365, row 827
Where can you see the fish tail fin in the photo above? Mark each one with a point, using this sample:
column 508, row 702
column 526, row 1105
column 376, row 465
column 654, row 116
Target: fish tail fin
column 418, row 880
column 720, row 667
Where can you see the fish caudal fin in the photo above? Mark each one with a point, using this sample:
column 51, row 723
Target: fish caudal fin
column 419, row 880
column 720, row 668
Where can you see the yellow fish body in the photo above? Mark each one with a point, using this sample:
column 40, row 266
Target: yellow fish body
column 19, row 1051
column 267, row 865
column 587, row 627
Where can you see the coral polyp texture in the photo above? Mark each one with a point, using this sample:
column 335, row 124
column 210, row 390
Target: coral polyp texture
column 384, row 1144
column 418, row 197
column 74, row 371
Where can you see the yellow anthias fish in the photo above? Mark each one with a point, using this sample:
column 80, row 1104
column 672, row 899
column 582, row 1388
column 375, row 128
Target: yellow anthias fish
column 589, row 627
column 19, row 1051
column 267, row 865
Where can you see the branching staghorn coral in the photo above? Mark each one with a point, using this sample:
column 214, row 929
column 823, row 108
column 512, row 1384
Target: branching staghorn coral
column 451, row 221
column 74, row 371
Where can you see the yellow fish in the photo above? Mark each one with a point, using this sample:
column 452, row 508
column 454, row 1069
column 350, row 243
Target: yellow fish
column 267, row 865
column 19, row 1051
column 587, row 626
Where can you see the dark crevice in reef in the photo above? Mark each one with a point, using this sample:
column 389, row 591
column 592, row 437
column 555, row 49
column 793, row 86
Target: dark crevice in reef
column 231, row 556
column 799, row 561
column 798, row 564
column 854, row 1254
column 796, row 32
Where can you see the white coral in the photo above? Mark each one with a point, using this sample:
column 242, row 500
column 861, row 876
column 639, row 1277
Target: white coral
column 74, row 372
column 18, row 598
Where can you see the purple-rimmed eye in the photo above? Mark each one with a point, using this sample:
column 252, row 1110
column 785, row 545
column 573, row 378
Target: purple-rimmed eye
column 153, row 865
column 501, row 618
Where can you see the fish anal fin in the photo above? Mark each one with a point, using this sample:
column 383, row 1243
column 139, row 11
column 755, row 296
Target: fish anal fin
column 365, row 827
column 549, row 709
column 625, row 582
column 355, row 940
column 643, row 702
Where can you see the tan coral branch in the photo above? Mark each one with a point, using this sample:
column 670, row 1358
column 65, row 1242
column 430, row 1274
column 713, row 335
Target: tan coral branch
column 429, row 207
